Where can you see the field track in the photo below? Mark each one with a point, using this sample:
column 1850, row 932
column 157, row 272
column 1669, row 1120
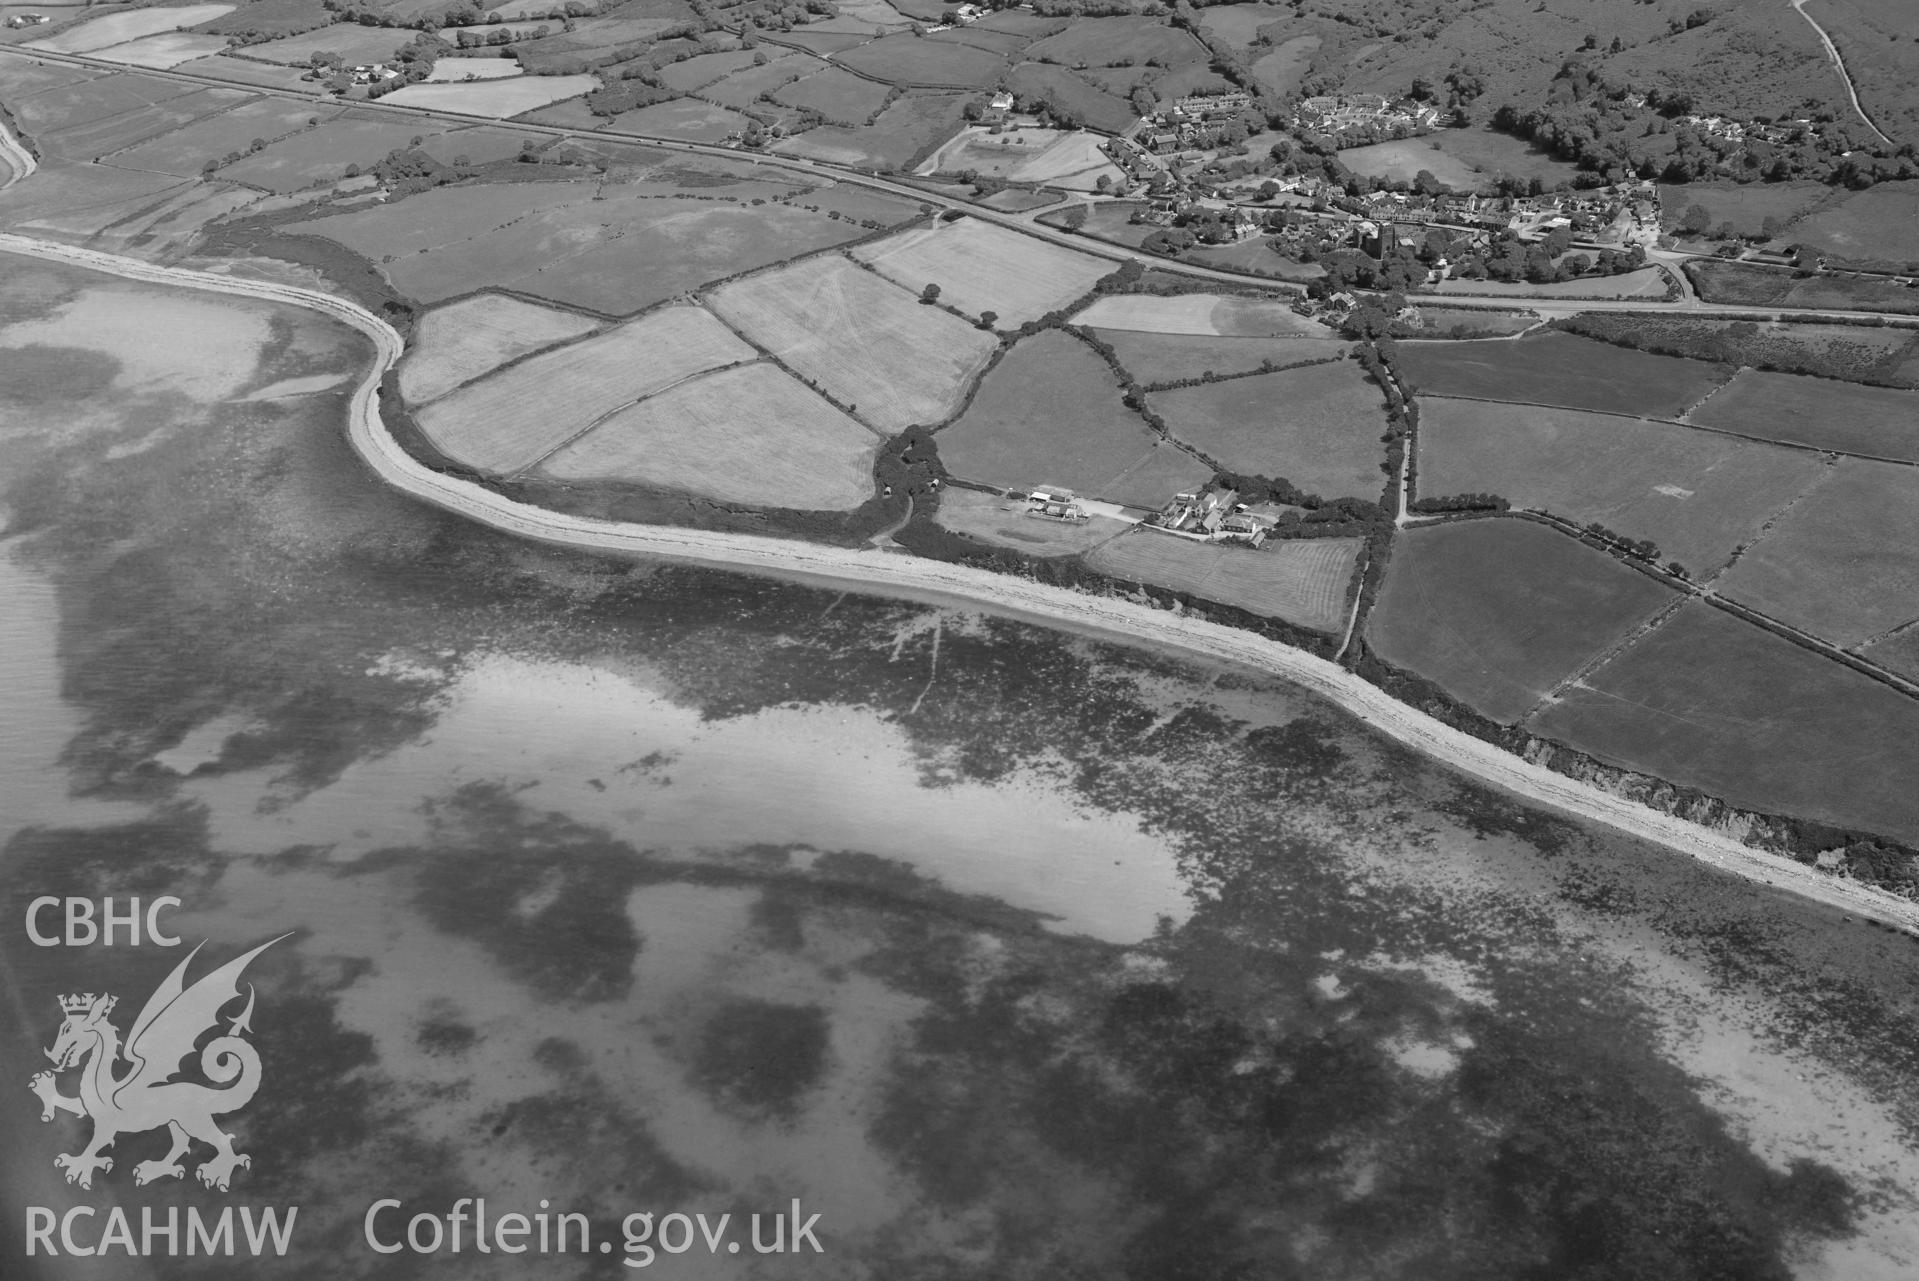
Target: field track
column 878, row 573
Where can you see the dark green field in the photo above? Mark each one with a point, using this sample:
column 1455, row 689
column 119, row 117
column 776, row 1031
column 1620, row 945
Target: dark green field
column 1697, row 494
column 1880, row 422
column 1716, row 703
column 1844, row 563
column 1500, row 611
column 1740, row 283
column 1050, row 413
column 1559, row 369
column 1318, row 427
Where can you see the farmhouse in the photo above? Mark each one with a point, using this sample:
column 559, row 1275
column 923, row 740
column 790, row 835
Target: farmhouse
column 1213, row 516
column 28, row 19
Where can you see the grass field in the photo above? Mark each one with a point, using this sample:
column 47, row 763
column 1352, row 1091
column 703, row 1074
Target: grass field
column 118, row 28
column 1500, row 611
column 323, row 155
column 1239, row 24
column 687, row 118
column 1825, row 413
column 1210, row 314
column 461, row 341
column 510, row 421
column 184, row 151
column 1050, row 414
column 869, row 343
column 163, row 51
column 614, row 248
column 1003, row 522
column 449, row 70
column 105, row 136
column 1301, row 580
column 1698, row 495
column 837, row 95
column 1095, row 108
column 1318, row 427
column 1282, row 70
column 497, row 98
column 1156, row 358
column 709, row 68
column 262, row 75
column 743, row 88
column 353, row 42
column 21, row 78
column 1715, row 703
column 1107, row 42
column 915, row 124
column 1745, row 205
column 1898, row 653
column 1560, row 369
column 1844, row 563
column 1747, row 285
column 1647, row 282
column 980, row 266
column 745, row 435
column 109, row 207
column 1492, row 154
column 1878, row 223
column 909, row 61
column 41, row 111
column 1403, row 160
column 1441, row 320
column 271, row 17
column 480, row 144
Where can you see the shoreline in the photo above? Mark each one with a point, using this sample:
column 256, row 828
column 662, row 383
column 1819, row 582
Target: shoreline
column 871, row 571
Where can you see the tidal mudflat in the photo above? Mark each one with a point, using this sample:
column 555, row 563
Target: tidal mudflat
column 1006, row 952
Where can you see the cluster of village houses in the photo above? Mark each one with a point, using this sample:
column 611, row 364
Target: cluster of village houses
column 1614, row 216
column 1356, row 111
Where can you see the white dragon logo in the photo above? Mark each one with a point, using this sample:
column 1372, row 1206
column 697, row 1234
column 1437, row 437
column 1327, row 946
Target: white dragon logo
column 145, row 1097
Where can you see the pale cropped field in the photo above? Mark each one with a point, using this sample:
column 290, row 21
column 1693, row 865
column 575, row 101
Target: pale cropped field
column 1301, row 580
column 513, row 419
column 497, row 98
column 461, row 341
column 118, row 28
column 869, row 343
column 1201, row 314
column 747, row 435
column 166, row 50
column 981, row 267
